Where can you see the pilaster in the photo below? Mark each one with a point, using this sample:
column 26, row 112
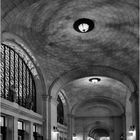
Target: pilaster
column 46, row 117
column 31, row 131
column 134, row 99
column 15, row 128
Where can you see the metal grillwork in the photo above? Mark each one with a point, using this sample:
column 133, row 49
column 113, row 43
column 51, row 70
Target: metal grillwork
column 17, row 82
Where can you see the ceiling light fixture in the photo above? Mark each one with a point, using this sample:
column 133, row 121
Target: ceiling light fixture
column 74, row 135
column 94, row 80
column 83, row 25
column 131, row 129
column 55, row 129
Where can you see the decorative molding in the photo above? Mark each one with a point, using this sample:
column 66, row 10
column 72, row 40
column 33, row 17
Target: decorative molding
column 20, row 51
column 62, row 128
column 94, row 117
column 13, row 109
column 46, row 97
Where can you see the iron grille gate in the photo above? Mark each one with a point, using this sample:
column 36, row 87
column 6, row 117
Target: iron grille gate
column 17, row 82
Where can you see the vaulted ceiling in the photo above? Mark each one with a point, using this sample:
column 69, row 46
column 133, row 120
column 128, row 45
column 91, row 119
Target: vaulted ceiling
column 85, row 96
column 47, row 27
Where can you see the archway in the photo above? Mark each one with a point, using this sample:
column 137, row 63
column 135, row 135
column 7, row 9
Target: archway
column 81, row 79
column 99, row 134
column 22, row 48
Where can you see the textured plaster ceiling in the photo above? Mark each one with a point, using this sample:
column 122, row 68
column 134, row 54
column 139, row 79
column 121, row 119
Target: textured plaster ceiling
column 47, row 27
column 98, row 108
column 82, row 91
column 10, row 8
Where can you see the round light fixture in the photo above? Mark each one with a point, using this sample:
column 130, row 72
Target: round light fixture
column 83, row 25
column 94, row 80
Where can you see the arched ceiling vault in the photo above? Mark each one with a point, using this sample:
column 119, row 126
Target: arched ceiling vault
column 98, row 133
column 98, row 107
column 47, row 27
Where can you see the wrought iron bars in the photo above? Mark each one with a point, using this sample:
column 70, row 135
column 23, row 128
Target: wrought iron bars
column 17, row 82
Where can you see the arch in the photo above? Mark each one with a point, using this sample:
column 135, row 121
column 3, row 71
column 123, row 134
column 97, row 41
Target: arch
column 101, row 125
column 17, row 42
column 65, row 105
column 87, row 71
column 17, row 79
column 99, row 131
column 111, row 101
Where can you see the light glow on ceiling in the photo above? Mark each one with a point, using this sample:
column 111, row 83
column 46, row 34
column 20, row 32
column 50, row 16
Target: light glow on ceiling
column 105, row 138
column 94, row 80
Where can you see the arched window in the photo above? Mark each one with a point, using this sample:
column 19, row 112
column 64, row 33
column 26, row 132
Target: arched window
column 60, row 111
column 17, row 82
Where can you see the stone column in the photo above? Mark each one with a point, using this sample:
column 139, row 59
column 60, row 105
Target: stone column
column 84, row 133
column 70, row 126
column 53, row 107
column 46, row 117
column 15, row 128
column 10, row 124
column 134, row 99
column 30, row 131
column 111, row 134
column 124, row 126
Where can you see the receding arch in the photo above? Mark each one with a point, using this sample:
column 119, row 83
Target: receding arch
column 65, row 78
column 98, row 131
column 111, row 102
column 98, row 125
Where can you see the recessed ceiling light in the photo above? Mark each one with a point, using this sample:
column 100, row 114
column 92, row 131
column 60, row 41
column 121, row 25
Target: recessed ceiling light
column 83, row 25
column 94, row 80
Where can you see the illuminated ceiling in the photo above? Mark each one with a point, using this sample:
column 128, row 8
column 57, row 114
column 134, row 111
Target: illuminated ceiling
column 47, row 27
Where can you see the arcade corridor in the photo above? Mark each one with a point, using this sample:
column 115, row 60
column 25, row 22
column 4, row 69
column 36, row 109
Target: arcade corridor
column 69, row 70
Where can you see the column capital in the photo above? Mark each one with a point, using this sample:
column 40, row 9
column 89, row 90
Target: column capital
column 133, row 97
column 54, row 100
column 46, row 97
column 71, row 116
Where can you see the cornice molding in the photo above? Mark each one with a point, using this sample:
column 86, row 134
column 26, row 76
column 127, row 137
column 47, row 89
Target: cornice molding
column 46, row 97
column 13, row 109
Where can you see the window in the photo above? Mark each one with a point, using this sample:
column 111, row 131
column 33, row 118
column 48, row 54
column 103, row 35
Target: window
column 34, row 128
column 3, row 128
column 20, row 125
column 60, row 111
column 21, row 131
column 2, row 121
column 37, row 132
column 17, row 82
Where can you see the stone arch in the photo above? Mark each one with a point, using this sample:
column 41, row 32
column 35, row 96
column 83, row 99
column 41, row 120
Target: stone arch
column 95, row 125
column 12, row 39
column 66, row 106
column 65, row 78
column 111, row 101
column 88, row 71
column 93, row 131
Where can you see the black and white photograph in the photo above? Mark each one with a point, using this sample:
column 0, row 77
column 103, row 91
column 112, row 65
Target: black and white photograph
column 69, row 70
